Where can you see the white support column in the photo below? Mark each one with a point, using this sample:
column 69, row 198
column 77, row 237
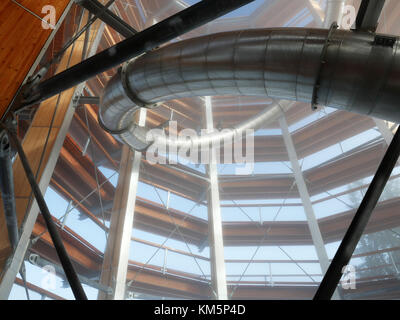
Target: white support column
column 384, row 130
column 333, row 12
column 218, row 274
column 116, row 256
column 316, row 11
column 305, row 198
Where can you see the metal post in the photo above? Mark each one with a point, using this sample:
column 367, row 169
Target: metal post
column 218, row 274
column 394, row 263
column 67, row 212
column 368, row 15
column 305, row 198
column 8, row 197
column 359, row 222
column 271, row 280
column 168, row 198
column 86, row 41
column 85, row 147
column 147, row 40
column 69, row 270
column 7, row 189
column 165, row 260
column 333, row 12
column 116, row 256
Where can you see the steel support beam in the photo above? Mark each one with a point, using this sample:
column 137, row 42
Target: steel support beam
column 215, row 236
column 142, row 42
column 305, row 198
column 360, row 221
column 7, row 189
column 108, row 17
column 368, row 15
column 116, row 256
column 87, row 100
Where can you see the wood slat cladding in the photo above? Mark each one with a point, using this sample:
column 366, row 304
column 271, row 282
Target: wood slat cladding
column 37, row 5
column 22, row 38
column 44, row 139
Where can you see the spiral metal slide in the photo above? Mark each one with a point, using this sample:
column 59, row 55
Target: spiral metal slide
column 354, row 71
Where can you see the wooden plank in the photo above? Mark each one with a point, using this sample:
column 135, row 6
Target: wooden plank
column 33, row 145
column 21, row 40
column 37, row 5
column 39, row 290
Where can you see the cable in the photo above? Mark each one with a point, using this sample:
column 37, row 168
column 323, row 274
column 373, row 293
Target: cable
column 95, row 171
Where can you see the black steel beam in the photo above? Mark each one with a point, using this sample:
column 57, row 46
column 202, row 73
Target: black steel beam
column 108, row 17
column 142, row 42
column 88, row 100
column 69, row 270
column 359, row 222
column 368, row 15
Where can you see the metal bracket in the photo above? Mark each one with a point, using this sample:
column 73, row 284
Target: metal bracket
column 33, row 259
column 135, row 99
column 121, row 131
column 110, row 131
column 5, row 148
column 383, row 40
column 204, row 244
column 145, row 148
column 160, row 126
column 26, row 97
column 314, row 104
column 125, row 84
